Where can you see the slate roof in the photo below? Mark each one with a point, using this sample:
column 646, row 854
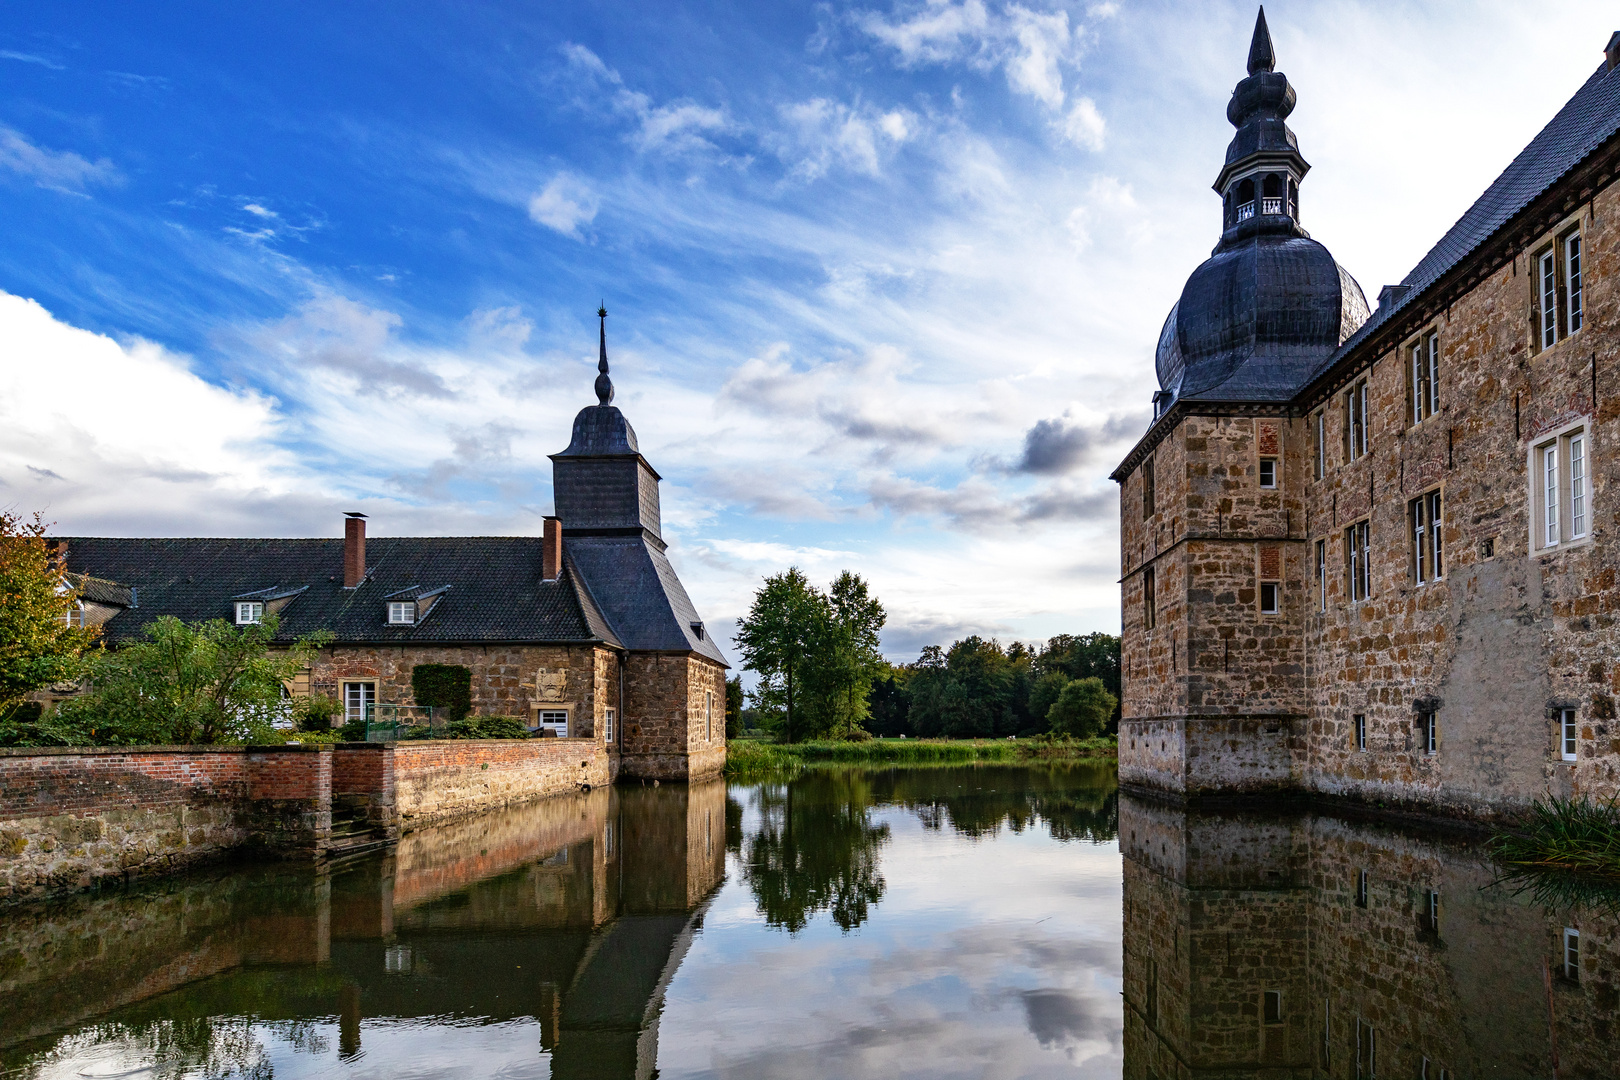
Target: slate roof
column 1587, row 121
column 639, row 594
column 99, row 591
column 492, row 590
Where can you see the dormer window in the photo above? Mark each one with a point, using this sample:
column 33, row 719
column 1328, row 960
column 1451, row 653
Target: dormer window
column 249, row 612
column 697, row 630
column 402, row 612
column 74, row 616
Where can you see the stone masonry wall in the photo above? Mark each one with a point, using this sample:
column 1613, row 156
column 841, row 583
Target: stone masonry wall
column 1504, row 639
column 73, row 817
column 665, row 734
column 441, row 780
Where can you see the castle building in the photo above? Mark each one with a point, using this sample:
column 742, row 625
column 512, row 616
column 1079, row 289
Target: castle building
column 1368, row 554
column 584, row 632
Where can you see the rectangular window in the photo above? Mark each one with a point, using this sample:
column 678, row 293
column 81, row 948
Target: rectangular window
column 1423, row 378
column 1357, row 562
column 1424, row 516
column 1150, row 601
column 404, row 613
column 1366, row 1051
column 359, row 701
column 1268, row 472
column 1321, row 573
column 1561, row 489
column 554, row 721
column 1568, row 735
column 249, row 612
column 1152, row 1002
column 1431, row 1071
column 1548, row 280
column 1271, row 1007
column 1355, row 420
column 1573, row 315
column 74, row 616
column 608, row 717
column 1148, row 493
column 1360, row 722
column 708, row 715
column 1572, row 954
column 1431, row 911
column 1320, row 449
column 1361, row 888
column 1428, row 721
column 1269, row 603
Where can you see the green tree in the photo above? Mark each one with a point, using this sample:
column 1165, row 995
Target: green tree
column 816, row 849
column 446, row 687
column 776, row 637
column 1084, row 656
column 1043, row 693
column 1082, row 709
column 888, row 704
column 847, row 658
column 973, row 690
column 38, row 647
column 206, row 682
column 734, row 706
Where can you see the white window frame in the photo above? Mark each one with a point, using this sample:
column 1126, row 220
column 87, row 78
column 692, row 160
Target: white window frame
column 1275, row 597
column 1430, row 728
column 1425, row 515
column 402, row 612
column 1423, row 377
column 1574, row 314
column 249, row 612
column 1560, row 470
column 1321, row 573
column 1366, row 1040
column 1358, row 561
column 708, row 716
column 74, row 616
column 1431, row 900
column 556, row 720
column 1359, row 722
column 357, row 695
column 1357, row 437
column 608, row 718
column 1547, row 296
column 1363, row 888
column 1270, row 481
column 1569, row 735
column 1572, row 954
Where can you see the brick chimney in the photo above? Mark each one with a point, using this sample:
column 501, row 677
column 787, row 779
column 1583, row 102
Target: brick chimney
column 551, row 550
column 354, row 549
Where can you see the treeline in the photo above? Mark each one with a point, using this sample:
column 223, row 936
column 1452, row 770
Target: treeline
column 976, row 688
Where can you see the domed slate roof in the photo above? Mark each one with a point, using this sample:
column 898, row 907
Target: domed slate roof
column 1256, row 319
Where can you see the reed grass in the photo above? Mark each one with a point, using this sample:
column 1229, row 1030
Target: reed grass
column 749, row 757
column 1569, row 835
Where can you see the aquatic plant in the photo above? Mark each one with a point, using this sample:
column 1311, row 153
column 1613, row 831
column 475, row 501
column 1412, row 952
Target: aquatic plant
column 1571, row 835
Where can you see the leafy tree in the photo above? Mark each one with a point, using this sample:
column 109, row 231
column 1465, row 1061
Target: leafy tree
column 1082, row 657
column 206, row 682
column 847, row 657
column 734, row 706
column 1082, row 709
column 816, row 849
column 1043, row 693
column 974, row 690
column 889, row 703
column 37, row 646
column 775, row 639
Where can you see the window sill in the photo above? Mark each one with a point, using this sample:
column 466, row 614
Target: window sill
column 1564, row 545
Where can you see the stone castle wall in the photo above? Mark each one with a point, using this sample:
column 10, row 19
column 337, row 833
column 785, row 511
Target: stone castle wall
column 1506, row 638
column 665, row 734
column 442, row 780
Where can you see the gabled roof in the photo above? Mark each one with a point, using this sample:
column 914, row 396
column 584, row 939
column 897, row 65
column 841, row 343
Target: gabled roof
column 1587, row 121
column 639, row 594
column 492, row 590
column 100, row 591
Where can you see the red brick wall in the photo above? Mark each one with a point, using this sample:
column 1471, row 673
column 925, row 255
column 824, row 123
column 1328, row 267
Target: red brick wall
column 45, row 780
column 442, row 780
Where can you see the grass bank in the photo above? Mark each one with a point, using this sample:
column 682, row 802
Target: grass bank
column 1571, row 835
column 750, row 756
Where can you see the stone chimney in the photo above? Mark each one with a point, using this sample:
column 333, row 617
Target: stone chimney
column 354, row 549
column 1611, row 51
column 551, row 550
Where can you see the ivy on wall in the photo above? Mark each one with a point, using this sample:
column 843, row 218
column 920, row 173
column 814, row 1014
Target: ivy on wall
column 443, row 686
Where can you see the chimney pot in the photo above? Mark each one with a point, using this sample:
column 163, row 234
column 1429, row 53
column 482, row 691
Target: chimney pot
column 354, row 549
column 551, row 550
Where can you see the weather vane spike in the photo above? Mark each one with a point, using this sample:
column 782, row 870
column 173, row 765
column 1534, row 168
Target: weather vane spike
column 604, row 385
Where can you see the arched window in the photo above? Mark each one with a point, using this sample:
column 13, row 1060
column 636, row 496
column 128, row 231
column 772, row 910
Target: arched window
column 1245, row 198
column 1271, row 194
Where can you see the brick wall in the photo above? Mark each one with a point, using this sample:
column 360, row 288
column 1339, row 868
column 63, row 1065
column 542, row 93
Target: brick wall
column 437, row 781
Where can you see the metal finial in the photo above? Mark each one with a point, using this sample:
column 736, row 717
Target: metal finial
column 1262, row 57
column 604, row 385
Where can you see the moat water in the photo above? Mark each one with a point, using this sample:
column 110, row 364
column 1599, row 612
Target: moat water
column 965, row 922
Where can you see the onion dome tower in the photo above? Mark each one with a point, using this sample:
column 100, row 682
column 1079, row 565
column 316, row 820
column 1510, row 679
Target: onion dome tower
column 1257, row 318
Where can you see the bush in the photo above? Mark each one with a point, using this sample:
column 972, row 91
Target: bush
column 1082, row 709
column 443, row 686
column 486, row 727
column 315, row 713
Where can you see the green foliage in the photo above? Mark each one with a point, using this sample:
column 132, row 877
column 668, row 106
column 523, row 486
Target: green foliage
column 206, row 682
column 1082, row 709
column 37, row 646
column 1083, row 657
column 1044, row 691
column 443, row 686
column 485, row 727
column 734, row 706
column 1577, row 835
column 889, row 703
column 816, row 653
column 748, row 757
column 315, row 712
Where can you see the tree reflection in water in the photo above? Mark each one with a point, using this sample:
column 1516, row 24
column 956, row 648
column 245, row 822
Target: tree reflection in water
column 816, row 846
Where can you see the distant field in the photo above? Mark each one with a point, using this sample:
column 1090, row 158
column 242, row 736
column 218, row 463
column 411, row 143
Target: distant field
column 751, row 754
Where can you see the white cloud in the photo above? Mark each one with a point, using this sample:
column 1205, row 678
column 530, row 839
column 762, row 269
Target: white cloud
column 62, row 170
column 820, row 133
column 1084, row 126
column 675, row 128
column 564, row 204
column 1107, row 203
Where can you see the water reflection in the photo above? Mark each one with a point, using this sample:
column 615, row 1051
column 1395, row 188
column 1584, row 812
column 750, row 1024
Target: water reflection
column 1305, row 945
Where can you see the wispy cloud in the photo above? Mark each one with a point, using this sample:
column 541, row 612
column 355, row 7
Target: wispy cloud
column 564, row 204
column 61, row 170
column 31, row 58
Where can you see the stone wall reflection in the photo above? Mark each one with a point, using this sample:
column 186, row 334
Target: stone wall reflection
column 1303, row 945
column 573, row 910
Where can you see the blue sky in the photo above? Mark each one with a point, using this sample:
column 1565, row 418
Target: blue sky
column 885, row 278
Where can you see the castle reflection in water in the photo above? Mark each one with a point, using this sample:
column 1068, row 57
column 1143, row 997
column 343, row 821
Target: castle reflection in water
column 1304, row 945
column 573, row 911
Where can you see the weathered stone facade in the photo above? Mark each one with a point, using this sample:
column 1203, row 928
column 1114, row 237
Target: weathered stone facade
column 1389, row 953
column 677, row 726
column 1378, row 676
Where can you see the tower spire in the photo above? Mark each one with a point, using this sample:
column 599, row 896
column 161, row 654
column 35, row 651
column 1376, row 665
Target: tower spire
column 604, row 385
column 1261, row 55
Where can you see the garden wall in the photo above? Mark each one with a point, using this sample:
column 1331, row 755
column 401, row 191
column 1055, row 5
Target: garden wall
column 438, row 781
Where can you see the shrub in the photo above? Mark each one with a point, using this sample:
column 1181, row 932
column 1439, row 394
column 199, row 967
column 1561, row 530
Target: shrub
column 443, row 686
column 1082, row 709
column 486, row 727
column 315, row 712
